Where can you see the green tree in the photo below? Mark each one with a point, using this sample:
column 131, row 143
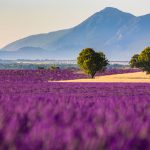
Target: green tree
column 90, row 61
column 134, row 63
column 144, row 60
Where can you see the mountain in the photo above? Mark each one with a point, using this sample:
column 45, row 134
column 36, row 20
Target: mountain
column 118, row 34
column 25, row 53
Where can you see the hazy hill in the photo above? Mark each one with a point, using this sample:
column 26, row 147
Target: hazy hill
column 117, row 33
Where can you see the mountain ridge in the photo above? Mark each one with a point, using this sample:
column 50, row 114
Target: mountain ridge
column 116, row 33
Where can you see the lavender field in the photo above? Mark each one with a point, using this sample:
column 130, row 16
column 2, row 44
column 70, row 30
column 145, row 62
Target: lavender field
column 39, row 115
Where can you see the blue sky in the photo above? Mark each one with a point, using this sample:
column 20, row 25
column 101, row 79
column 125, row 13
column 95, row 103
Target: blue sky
column 20, row 18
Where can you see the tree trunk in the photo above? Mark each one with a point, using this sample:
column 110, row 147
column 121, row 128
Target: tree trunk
column 92, row 75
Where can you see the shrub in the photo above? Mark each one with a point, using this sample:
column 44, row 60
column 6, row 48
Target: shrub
column 54, row 67
column 40, row 68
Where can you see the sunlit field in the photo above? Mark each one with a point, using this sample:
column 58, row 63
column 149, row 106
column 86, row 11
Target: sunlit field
column 136, row 77
column 36, row 114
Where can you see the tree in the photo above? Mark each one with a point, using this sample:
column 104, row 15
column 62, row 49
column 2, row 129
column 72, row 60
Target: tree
column 144, row 60
column 90, row 61
column 134, row 63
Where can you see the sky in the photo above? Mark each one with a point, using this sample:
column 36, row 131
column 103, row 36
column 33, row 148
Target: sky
column 21, row 18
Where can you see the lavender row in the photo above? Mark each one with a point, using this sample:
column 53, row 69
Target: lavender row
column 74, row 116
column 54, row 75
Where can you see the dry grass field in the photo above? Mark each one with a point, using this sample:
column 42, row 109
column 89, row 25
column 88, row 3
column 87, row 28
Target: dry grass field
column 138, row 77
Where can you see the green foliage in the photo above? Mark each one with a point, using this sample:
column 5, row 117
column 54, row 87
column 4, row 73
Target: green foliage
column 41, row 68
column 134, row 63
column 54, row 67
column 90, row 61
column 144, row 60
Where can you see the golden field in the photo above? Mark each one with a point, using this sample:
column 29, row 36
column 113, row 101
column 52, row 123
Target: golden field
column 138, row 77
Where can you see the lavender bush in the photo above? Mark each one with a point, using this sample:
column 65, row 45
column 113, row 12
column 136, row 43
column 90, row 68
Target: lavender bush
column 37, row 115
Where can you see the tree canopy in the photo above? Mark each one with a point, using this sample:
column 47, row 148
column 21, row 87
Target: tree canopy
column 134, row 63
column 144, row 60
column 90, row 61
